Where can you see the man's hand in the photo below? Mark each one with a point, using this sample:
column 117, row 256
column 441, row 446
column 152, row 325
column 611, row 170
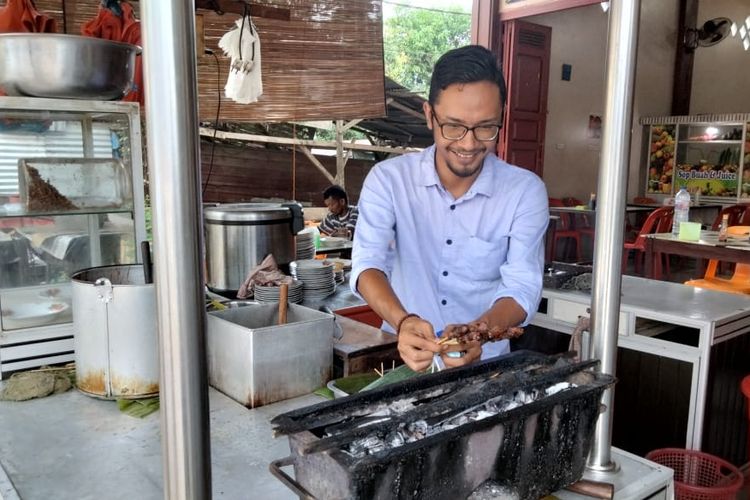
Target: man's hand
column 342, row 233
column 416, row 343
column 472, row 351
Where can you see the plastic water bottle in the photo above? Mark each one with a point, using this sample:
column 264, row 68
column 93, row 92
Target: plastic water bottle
column 681, row 210
column 316, row 237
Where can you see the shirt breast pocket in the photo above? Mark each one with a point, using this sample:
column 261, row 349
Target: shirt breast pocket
column 482, row 259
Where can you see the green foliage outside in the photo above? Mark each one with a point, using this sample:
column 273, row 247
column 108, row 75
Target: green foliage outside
column 414, row 39
column 323, row 134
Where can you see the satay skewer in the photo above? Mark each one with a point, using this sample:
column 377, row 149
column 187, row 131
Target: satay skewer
column 458, row 334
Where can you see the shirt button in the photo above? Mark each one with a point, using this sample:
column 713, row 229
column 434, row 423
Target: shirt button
column 453, row 207
column 445, row 273
column 443, row 301
column 450, row 242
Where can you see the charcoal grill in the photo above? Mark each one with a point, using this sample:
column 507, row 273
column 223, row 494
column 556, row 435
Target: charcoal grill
column 534, row 448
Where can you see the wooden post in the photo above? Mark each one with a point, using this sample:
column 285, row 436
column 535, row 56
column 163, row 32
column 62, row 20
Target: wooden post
column 283, row 298
column 340, row 160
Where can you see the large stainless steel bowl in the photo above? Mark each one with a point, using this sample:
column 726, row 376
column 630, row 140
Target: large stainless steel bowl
column 65, row 66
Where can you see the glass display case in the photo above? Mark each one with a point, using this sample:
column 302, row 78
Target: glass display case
column 709, row 155
column 71, row 197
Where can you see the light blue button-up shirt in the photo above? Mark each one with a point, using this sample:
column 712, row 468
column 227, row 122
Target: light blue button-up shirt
column 448, row 259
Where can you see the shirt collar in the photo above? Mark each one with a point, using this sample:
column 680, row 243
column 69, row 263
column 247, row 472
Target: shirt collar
column 483, row 184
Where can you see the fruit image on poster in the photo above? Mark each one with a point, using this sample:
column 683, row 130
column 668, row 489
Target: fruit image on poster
column 661, row 159
column 745, row 191
column 715, row 173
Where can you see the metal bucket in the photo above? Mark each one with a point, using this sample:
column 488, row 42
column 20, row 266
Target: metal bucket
column 116, row 341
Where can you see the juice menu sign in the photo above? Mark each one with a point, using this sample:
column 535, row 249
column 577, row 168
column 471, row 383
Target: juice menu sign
column 719, row 179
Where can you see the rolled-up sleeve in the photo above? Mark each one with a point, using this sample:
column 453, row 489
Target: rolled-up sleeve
column 522, row 270
column 375, row 227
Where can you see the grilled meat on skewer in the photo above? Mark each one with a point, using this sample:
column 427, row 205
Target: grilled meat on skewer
column 478, row 330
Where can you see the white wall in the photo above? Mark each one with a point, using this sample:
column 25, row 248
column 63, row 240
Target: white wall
column 654, row 76
column 721, row 73
column 579, row 37
column 571, row 160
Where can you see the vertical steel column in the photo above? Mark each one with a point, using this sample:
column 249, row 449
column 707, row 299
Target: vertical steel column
column 174, row 169
column 613, row 170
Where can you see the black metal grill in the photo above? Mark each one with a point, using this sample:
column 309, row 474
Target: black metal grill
column 534, row 449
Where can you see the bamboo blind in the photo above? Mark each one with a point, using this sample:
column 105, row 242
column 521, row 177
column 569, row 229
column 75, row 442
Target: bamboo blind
column 325, row 63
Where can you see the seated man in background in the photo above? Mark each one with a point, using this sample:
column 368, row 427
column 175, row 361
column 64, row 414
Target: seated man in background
column 341, row 217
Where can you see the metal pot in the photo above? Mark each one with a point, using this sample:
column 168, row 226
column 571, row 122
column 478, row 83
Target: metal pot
column 115, row 336
column 240, row 235
column 65, row 66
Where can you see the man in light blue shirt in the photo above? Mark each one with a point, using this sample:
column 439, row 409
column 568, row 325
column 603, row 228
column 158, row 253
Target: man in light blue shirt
column 452, row 234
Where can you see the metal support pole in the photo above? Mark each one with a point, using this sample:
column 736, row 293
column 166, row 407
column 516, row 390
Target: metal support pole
column 174, row 169
column 613, row 170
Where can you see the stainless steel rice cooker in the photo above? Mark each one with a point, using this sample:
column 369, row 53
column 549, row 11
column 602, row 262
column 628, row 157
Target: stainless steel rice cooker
column 240, row 235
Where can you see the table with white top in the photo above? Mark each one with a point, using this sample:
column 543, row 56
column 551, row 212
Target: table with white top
column 700, row 335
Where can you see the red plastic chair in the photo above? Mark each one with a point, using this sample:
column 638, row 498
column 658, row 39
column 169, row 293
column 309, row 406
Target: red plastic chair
column 658, row 221
column 736, row 213
column 565, row 229
column 745, row 387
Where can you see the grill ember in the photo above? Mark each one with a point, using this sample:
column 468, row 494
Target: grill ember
column 523, row 420
column 409, row 433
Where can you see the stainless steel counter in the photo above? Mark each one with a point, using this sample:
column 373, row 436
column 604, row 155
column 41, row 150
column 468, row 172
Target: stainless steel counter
column 75, row 446
column 341, row 298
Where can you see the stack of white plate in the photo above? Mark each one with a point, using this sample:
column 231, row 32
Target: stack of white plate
column 338, row 276
column 305, row 244
column 317, row 275
column 268, row 294
column 346, row 264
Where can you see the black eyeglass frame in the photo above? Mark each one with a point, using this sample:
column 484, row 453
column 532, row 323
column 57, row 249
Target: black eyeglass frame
column 466, row 129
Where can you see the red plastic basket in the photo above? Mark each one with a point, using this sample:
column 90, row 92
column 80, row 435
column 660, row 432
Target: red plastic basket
column 698, row 475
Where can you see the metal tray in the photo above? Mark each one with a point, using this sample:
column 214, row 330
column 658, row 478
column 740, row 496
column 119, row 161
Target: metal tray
column 65, row 185
column 255, row 361
column 536, row 448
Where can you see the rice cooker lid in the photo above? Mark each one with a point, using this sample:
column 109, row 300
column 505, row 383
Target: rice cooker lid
column 247, row 213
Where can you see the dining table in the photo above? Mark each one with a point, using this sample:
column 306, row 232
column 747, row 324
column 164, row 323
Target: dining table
column 334, row 245
column 708, row 246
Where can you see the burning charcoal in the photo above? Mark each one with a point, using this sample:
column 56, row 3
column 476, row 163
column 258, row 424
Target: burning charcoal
column 416, row 431
column 491, row 490
column 581, row 378
column 394, row 439
column 560, row 386
column 481, row 415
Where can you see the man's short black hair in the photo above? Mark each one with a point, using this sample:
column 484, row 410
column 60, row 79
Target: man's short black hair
column 469, row 64
column 336, row 192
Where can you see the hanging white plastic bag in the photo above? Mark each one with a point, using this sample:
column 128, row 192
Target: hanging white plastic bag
column 242, row 45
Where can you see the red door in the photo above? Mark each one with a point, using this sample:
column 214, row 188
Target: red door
column 526, row 54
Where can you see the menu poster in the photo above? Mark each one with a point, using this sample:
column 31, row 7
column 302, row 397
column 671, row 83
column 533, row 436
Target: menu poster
column 709, row 182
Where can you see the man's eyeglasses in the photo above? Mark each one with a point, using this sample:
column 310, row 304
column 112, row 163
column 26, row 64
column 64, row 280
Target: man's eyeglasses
column 456, row 132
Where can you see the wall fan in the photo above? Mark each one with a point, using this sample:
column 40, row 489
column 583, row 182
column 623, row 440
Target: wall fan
column 712, row 32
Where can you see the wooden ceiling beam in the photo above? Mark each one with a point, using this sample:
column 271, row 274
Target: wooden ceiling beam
column 239, row 6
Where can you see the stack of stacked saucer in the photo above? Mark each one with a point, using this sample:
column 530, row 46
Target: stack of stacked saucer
column 340, row 266
column 338, row 276
column 305, row 244
column 267, row 294
column 317, row 275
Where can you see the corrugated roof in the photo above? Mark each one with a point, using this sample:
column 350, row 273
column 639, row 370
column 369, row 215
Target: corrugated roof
column 405, row 124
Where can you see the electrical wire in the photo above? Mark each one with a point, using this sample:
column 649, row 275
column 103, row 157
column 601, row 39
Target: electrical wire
column 216, row 123
column 427, row 8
